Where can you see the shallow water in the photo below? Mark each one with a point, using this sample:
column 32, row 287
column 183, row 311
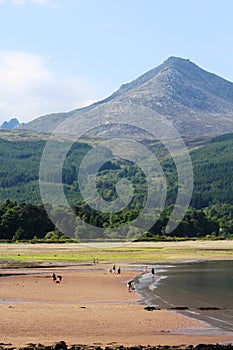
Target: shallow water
column 195, row 285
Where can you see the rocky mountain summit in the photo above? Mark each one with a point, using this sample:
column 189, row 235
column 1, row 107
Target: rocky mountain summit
column 195, row 101
column 11, row 124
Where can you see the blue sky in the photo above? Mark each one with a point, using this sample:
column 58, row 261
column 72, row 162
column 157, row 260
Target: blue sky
column 57, row 55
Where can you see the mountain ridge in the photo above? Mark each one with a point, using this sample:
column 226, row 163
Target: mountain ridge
column 197, row 102
column 10, row 124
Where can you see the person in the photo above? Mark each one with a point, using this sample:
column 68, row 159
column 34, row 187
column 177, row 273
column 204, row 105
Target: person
column 153, row 272
column 54, row 277
column 58, row 279
column 114, row 268
column 119, row 271
column 130, row 285
column 94, row 262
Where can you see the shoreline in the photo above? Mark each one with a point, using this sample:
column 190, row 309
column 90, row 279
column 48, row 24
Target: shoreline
column 99, row 302
column 92, row 306
column 191, row 302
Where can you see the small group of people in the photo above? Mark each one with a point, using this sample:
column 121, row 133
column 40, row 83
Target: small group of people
column 56, row 278
column 131, row 284
column 115, row 270
column 95, row 261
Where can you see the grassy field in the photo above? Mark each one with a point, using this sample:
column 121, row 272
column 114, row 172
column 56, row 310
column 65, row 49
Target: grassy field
column 108, row 253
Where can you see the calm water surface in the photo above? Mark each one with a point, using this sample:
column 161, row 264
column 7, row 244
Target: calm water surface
column 206, row 284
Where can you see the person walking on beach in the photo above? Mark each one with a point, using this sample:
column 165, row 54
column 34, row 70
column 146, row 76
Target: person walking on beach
column 54, row 277
column 114, row 268
column 153, row 272
column 119, row 271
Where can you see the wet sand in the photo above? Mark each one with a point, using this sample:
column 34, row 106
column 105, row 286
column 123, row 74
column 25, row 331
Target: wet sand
column 90, row 306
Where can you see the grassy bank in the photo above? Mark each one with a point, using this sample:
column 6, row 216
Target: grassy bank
column 133, row 252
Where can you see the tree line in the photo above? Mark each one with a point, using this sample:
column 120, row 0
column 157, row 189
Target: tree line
column 20, row 222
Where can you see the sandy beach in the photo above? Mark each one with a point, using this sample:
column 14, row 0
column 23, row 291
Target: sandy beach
column 90, row 306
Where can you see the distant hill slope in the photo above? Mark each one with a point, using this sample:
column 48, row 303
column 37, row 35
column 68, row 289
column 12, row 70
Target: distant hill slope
column 212, row 160
column 195, row 101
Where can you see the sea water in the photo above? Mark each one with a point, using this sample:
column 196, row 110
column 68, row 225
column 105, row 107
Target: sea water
column 203, row 288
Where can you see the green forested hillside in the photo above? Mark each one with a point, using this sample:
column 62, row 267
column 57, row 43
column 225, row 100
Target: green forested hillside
column 210, row 213
column 212, row 164
column 213, row 172
column 19, row 169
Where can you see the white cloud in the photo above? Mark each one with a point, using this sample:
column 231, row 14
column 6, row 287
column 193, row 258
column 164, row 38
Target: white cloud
column 29, row 89
column 18, row 2
column 50, row 3
column 41, row 2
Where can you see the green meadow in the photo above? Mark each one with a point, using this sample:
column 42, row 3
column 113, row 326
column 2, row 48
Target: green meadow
column 108, row 253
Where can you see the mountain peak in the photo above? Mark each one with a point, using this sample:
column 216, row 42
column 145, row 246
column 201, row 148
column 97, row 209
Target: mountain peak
column 175, row 59
column 173, row 63
column 11, row 124
column 181, row 65
column 195, row 101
